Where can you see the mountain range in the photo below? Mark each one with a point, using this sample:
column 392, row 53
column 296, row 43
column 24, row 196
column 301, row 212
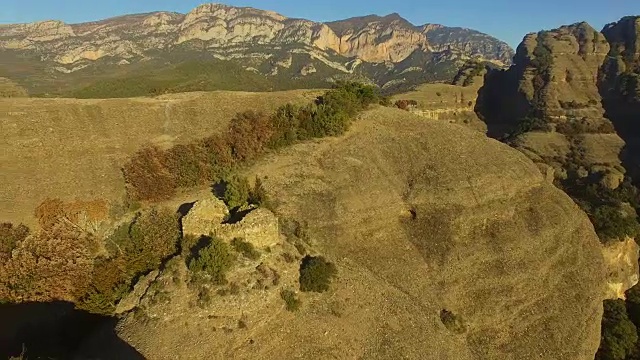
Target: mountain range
column 216, row 46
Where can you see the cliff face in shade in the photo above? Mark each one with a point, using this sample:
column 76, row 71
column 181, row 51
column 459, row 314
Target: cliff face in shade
column 554, row 78
column 256, row 40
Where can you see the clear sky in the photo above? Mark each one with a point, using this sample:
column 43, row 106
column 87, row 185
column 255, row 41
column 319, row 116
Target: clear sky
column 508, row 20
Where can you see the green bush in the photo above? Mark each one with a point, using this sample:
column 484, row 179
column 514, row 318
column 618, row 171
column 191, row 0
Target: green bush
column 285, row 124
column 134, row 249
column 214, row 260
column 292, row 303
column 245, row 248
column 612, row 223
column 258, row 195
column 316, row 274
column 236, row 191
column 619, row 334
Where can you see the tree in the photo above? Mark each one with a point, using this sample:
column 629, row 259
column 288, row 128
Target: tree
column 10, row 236
column 258, row 195
column 619, row 336
column 236, row 191
column 214, row 260
column 147, row 175
column 285, row 125
column 248, row 134
column 55, row 264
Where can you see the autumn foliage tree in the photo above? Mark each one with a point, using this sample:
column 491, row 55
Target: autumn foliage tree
column 147, row 175
column 249, row 133
column 55, row 264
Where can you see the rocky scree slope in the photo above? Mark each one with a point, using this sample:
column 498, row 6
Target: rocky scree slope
column 442, row 252
column 381, row 49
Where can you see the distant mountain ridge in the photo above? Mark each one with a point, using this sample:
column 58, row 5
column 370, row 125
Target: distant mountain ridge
column 380, row 49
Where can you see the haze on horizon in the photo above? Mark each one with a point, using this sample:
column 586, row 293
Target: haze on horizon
column 505, row 19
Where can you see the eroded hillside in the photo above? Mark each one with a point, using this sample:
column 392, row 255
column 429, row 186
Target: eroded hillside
column 421, row 225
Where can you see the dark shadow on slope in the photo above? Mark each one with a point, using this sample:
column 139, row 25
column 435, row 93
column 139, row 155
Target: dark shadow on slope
column 500, row 104
column 56, row 331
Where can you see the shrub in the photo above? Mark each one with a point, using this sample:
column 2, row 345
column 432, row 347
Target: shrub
column 235, row 191
column 285, row 125
column 316, row 274
column 50, row 212
column 148, row 177
column 258, row 195
column 611, row 223
column 214, row 260
column 619, row 334
column 249, row 133
column 152, row 237
column 188, row 165
column 406, row 104
column 385, row 101
column 245, row 248
column 219, row 156
column 292, row 303
column 134, row 249
column 53, row 265
column 10, row 236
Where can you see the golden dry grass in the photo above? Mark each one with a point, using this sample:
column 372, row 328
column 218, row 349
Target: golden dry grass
column 70, row 148
column 436, row 96
column 489, row 240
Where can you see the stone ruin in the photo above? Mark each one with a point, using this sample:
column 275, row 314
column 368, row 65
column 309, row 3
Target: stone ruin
column 208, row 217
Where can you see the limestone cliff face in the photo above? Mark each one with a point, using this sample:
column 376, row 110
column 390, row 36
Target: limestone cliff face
column 228, row 32
column 471, row 42
column 377, row 39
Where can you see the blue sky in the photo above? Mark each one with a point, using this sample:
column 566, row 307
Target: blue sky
column 508, row 20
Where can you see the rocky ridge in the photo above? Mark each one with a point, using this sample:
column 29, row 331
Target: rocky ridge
column 262, row 40
column 549, row 103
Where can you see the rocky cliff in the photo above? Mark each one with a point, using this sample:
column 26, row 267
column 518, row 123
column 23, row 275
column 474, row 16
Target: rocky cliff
column 619, row 84
column 261, row 41
column 549, row 103
column 472, row 42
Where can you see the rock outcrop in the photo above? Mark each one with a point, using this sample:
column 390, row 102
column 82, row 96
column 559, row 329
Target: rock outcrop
column 621, row 260
column 420, row 223
column 554, row 78
column 207, row 218
column 550, row 107
column 471, row 42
